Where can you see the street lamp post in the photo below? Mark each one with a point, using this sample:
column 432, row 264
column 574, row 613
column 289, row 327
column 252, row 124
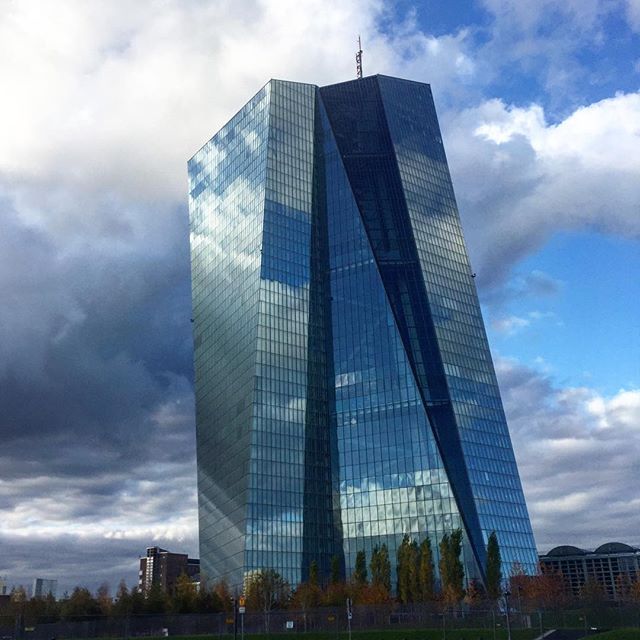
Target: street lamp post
column 506, row 595
column 235, row 614
column 584, row 619
column 540, row 621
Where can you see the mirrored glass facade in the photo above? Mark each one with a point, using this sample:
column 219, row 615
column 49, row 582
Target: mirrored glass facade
column 345, row 393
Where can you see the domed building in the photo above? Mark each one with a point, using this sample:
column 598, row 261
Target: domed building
column 612, row 565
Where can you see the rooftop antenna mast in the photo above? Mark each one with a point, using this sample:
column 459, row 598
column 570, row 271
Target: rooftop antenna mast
column 359, row 60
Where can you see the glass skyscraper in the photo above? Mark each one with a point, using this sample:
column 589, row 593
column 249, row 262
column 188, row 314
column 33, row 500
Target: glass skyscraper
column 345, row 392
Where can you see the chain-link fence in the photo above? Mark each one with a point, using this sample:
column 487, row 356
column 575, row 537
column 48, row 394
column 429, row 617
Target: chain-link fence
column 332, row 621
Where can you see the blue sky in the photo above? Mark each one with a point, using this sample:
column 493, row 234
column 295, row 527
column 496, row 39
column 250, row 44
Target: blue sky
column 539, row 105
column 584, row 328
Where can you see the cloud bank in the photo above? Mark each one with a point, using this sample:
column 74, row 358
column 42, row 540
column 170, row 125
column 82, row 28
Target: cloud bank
column 108, row 100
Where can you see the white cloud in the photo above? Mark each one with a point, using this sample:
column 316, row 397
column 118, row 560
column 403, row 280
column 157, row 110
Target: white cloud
column 633, row 14
column 520, row 179
column 544, row 40
column 510, row 325
column 110, row 96
column 581, row 15
column 578, row 455
column 104, row 505
column 107, row 102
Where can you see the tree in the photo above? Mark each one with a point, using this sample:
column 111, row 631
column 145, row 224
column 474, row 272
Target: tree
column 414, row 565
column 336, row 572
column 592, row 593
column 314, row 573
column 185, row 597
column 122, row 604
column 18, row 599
column 44, row 609
column 408, row 570
column 381, row 568
column 104, row 599
column 475, row 594
column 156, row 600
column 18, row 594
column 402, row 570
column 371, row 594
column 522, row 586
column 548, row 591
column 360, row 573
column 208, row 600
column 138, row 602
column 623, row 587
column 222, row 590
column 634, row 592
column 80, row 605
column 426, row 572
column 494, row 567
column 336, row 594
column 267, row 590
column 306, row 596
column 451, row 569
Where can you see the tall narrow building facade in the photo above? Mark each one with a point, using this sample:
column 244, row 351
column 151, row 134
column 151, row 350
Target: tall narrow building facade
column 345, row 392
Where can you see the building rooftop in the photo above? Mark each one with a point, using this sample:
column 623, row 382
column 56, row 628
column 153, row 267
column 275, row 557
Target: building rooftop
column 607, row 548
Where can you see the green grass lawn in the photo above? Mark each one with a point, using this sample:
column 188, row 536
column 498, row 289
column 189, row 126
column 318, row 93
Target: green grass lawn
column 395, row 634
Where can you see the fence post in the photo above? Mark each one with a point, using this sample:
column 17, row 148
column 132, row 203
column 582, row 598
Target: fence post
column 19, row 626
column 540, row 620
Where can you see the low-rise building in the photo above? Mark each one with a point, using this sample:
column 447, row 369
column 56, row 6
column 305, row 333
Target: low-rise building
column 613, row 566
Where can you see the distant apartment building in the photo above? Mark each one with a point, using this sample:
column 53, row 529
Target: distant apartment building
column 43, row 588
column 4, row 595
column 612, row 565
column 164, row 568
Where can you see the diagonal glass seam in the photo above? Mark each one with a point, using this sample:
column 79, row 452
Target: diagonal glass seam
column 414, row 374
column 461, row 487
column 439, row 405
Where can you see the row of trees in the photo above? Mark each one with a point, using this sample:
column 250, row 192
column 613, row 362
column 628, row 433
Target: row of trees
column 370, row 584
column 82, row 604
column 267, row 590
column 416, row 575
column 550, row 591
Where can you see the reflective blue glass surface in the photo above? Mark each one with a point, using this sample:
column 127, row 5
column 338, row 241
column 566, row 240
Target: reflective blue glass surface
column 345, row 393
column 459, row 328
column 227, row 190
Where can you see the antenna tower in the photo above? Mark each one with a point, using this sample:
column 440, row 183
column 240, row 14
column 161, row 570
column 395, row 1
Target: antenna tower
column 359, row 60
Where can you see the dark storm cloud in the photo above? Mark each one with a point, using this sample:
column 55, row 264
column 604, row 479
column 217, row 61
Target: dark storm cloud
column 92, row 342
column 96, row 394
